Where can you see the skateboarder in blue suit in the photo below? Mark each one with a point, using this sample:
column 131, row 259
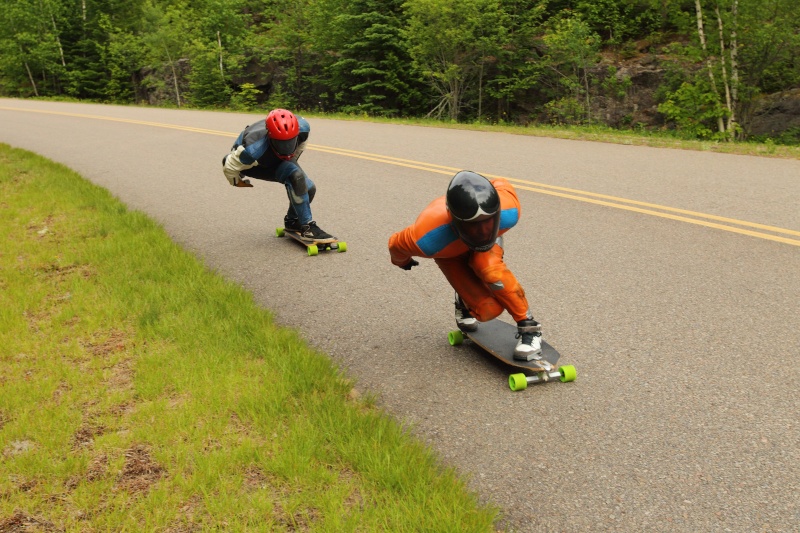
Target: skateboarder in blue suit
column 268, row 150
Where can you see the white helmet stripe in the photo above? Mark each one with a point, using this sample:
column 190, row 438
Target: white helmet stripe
column 479, row 213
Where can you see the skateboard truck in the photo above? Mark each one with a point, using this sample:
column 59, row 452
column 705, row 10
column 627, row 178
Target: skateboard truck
column 563, row 373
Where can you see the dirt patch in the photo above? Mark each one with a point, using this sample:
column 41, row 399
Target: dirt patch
column 58, row 272
column 97, row 469
column 62, row 389
column 116, row 341
column 22, row 484
column 354, row 500
column 186, row 520
column 242, row 430
column 123, row 409
column 255, row 478
column 121, row 377
column 300, row 520
column 20, row 522
column 41, row 228
column 18, row 447
column 85, row 435
column 140, row 471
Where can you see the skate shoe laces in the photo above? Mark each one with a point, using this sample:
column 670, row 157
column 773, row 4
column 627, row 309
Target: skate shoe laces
column 529, row 344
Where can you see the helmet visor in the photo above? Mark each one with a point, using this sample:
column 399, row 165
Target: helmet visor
column 479, row 235
column 284, row 148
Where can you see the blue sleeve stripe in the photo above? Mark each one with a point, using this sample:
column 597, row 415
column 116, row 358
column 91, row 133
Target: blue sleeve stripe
column 436, row 239
column 509, row 218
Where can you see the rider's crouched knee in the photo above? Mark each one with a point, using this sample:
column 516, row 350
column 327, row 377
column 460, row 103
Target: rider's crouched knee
column 487, row 310
column 298, row 180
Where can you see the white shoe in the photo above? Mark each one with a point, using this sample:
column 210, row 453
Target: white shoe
column 529, row 351
column 529, row 345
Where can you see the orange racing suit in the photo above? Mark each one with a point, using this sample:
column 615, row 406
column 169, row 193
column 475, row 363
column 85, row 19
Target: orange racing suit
column 482, row 279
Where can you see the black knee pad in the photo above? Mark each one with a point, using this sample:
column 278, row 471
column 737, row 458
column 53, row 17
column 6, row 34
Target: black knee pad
column 298, row 181
column 311, row 192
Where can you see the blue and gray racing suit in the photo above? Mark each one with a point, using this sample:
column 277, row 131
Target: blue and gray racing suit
column 252, row 156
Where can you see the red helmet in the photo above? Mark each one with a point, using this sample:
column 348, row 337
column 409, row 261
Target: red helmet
column 283, row 130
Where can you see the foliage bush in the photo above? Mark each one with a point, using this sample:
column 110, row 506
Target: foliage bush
column 460, row 60
column 246, row 98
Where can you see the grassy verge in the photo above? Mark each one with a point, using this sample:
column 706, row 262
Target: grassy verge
column 140, row 392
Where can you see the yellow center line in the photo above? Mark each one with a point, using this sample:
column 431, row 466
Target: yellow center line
column 541, row 188
column 714, row 225
column 125, row 120
column 380, row 159
column 433, row 168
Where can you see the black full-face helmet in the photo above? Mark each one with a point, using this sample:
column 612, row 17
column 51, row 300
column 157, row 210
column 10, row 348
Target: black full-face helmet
column 474, row 205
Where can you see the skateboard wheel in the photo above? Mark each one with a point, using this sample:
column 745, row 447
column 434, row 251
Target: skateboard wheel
column 342, row 247
column 455, row 337
column 279, row 232
column 568, row 373
column 313, row 250
column 517, row 382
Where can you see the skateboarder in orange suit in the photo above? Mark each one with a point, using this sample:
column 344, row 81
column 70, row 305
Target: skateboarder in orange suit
column 461, row 232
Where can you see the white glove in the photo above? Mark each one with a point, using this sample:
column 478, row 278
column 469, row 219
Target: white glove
column 233, row 166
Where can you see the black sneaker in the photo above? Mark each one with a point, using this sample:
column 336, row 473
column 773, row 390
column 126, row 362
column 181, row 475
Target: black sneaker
column 315, row 233
column 464, row 320
column 292, row 224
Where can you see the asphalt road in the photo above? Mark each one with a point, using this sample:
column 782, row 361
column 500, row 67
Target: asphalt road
column 684, row 328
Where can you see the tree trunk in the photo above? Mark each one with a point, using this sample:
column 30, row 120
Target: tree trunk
column 219, row 41
column 480, row 91
column 725, row 83
column 734, row 65
column 174, row 76
column 30, row 77
column 701, row 33
column 455, row 99
column 58, row 41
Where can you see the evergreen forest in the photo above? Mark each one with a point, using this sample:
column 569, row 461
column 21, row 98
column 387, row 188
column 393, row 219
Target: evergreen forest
column 699, row 68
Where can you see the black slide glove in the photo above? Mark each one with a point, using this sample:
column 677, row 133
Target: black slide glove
column 410, row 264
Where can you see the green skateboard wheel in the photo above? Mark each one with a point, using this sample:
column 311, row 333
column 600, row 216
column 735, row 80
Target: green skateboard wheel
column 455, row 337
column 568, row 373
column 342, row 247
column 279, row 232
column 517, row 382
column 313, row 250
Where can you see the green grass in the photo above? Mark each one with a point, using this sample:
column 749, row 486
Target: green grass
column 139, row 391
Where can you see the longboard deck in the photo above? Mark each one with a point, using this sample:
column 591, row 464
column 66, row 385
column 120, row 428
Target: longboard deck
column 497, row 338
